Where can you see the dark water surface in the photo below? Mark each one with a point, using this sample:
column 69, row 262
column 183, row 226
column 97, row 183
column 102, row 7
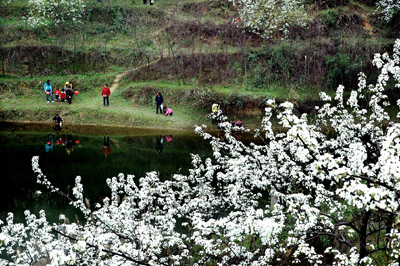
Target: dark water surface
column 131, row 151
column 83, row 150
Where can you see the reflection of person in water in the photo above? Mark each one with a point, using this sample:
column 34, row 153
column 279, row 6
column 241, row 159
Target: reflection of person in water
column 159, row 144
column 168, row 138
column 57, row 128
column 69, row 145
column 63, row 140
column 49, row 144
column 106, row 147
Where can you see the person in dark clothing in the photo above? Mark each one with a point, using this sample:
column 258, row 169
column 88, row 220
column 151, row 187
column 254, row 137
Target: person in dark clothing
column 57, row 119
column 59, row 123
column 159, row 102
column 69, row 92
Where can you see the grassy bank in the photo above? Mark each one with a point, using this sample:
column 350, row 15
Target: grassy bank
column 131, row 104
column 189, row 51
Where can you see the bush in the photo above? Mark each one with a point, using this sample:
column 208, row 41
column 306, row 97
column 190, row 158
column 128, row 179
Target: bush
column 342, row 70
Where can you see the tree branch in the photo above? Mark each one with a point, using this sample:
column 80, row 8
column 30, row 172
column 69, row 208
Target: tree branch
column 105, row 250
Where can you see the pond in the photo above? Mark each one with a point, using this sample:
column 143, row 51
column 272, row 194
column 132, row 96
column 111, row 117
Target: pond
column 92, row 152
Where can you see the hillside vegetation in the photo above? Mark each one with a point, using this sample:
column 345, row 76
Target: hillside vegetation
column 191, row 51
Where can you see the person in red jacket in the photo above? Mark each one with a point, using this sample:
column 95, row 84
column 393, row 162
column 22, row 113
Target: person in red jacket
column 57, row 94
column 63, row 95
column 105, row 93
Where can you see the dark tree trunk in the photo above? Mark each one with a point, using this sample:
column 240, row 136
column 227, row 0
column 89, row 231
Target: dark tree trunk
column 363, row 235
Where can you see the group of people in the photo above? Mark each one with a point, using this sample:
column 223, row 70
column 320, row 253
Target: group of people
column 160, row 106
column 65, row 94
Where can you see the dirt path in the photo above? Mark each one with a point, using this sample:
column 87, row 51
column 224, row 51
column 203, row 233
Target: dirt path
column 118, row 77
column 154, row 39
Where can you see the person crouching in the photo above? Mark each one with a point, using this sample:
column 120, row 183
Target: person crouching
column 167, row 111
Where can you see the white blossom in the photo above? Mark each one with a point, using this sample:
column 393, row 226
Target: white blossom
column 268, row 17
column 328, row 190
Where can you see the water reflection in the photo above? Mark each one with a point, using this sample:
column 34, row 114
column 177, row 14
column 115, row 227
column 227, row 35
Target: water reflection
column 106, row 147
column 49, row 143
column 77, row 152
column 69, row 144
column 71, row 154
column 159, row 144
column 160, row 140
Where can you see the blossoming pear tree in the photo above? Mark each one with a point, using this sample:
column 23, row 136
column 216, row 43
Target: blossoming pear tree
column 268, row 17
column 56, row 12
column 321, row 193
column 389, row 8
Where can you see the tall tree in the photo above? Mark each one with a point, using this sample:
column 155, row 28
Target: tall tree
column 64, row 15
column 268, row 18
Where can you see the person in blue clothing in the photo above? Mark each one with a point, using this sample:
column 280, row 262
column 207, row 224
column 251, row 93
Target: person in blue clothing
column 48, row 90
column 159, row 102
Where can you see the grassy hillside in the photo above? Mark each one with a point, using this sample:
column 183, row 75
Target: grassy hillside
column 190, row 51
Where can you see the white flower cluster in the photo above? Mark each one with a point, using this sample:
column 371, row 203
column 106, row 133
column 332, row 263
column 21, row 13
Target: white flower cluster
column 389, row 8
column 326, row 193
column 42, row 12
column 268, row 17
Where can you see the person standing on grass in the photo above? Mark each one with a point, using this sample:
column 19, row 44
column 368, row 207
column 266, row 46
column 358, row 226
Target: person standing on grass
column 57, row 94
column 68, row 84
column 215, row 108
column 105, row 93
column 48, row 90
column 63, row 95
column 159, row 102
column 69, row 92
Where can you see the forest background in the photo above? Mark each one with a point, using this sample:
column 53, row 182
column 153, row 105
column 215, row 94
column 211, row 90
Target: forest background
column 194, row 52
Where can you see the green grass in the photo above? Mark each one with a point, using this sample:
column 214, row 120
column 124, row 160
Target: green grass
column 87, row 107
column 22, row 96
